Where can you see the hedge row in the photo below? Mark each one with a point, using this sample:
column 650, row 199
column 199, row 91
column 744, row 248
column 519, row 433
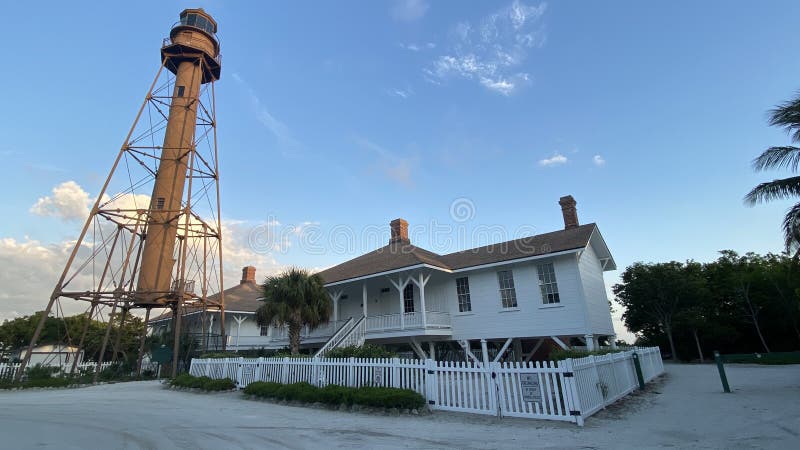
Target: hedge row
column 205, row 383
column 332, row 394
column 559, row 354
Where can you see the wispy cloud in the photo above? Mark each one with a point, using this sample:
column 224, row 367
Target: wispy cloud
column 418, row 47
column 409, row 10
column 401, row 93
column 270, row 122
column 391, row 165
column 491, row 51
column 599, row 161
column 555, row 160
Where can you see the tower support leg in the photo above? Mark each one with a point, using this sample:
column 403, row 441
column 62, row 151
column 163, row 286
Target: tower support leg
column 142, row 338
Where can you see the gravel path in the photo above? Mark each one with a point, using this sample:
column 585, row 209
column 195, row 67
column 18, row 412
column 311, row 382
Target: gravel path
column 685, row 409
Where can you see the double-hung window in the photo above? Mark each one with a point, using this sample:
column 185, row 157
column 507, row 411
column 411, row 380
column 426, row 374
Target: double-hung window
column 508, row 295
column 408, row 298
column 548, row 284
column 462, row 289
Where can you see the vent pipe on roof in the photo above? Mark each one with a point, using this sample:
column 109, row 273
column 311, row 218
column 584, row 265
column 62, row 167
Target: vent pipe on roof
column 569, row 211
column 399, row 229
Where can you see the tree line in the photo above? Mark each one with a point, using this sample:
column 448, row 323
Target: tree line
column 736, row 304
column 16, row 334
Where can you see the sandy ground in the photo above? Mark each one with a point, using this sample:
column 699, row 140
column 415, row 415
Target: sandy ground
column 684, row 409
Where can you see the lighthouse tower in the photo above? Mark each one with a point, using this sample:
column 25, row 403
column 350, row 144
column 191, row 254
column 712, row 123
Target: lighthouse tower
column 153, row 239
column 193, row 56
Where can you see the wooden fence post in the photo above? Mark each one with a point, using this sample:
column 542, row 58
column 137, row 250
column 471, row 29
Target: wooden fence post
column 431, row 382
column 396, row 372
column 350, row 370
column 573, row 391
column 285, row 370
column 259, row 369
column 239, row 372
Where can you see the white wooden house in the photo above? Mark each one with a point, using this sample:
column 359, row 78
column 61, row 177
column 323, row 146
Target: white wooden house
column 515, row 295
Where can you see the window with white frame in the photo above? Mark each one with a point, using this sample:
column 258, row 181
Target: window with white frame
column 462, row 289
column 507, row 293
column 408, row 298
column 264, row 330
column 548, row 284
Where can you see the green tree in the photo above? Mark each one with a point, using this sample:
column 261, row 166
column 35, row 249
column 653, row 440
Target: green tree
column 786, row 116
column 295, row 298
column 745, row 277
column 655, row 294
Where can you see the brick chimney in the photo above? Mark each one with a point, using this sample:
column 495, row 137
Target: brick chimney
column 248, row 275
column 569, row 212
column 399, row 229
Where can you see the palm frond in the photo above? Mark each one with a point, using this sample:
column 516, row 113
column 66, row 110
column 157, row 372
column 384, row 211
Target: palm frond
column 787, row 116
column 774, row 190
column 791, row 229
column 778, row 158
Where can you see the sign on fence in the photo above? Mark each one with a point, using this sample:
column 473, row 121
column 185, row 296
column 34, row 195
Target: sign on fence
column 529, row 385
column 377, row 376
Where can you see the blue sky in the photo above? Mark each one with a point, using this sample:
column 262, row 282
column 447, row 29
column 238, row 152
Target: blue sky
column 337, row 114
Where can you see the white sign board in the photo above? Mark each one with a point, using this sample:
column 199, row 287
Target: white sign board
column 377, row 376
column 529, row 386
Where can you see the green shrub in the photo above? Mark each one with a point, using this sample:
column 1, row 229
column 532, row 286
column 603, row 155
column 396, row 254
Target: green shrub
column 559, row 354
column 262, row 389
column 365, row 351
column 40, row 372
column 205, row 383
column 379, row 397
column 47, row 382
column 383, row 397
column 334, row 394
column 225, row 384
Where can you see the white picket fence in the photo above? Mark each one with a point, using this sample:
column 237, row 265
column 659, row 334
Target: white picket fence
column 8, row 370
column 569, row 390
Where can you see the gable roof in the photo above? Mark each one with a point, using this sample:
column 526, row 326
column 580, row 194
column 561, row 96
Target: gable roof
column 401, row 255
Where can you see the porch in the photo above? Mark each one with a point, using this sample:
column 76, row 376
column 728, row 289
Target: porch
column 377, row 327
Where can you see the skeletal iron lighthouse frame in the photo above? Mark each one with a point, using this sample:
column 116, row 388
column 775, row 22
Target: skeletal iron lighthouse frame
column 106, row 262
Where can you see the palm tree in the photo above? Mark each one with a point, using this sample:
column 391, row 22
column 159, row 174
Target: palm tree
column 294, row 298
column 786, row 116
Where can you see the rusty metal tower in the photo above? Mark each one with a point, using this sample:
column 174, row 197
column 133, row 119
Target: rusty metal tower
column 153, row 238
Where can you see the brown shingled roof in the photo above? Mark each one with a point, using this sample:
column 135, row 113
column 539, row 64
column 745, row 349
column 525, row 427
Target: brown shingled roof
column 398, row 256
column 242, row 297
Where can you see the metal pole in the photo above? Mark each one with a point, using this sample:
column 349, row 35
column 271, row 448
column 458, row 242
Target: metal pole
column 219, row 222
column 57, row 290
column 721, row 369
column 105, row 342
column 118, row 338
column 638, row 365
column 141, row 343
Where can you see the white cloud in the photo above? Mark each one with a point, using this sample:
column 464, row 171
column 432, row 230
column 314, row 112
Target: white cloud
column 68, row 202
column 418, row 47
column 490, row 51
column 31, row 268
column 599, row 161
column 263, row 115
column 394, row 167
column 409, row 10
column 402, row 93
column 555, row 160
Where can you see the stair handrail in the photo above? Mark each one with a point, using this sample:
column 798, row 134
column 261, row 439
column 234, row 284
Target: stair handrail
column 344, row 329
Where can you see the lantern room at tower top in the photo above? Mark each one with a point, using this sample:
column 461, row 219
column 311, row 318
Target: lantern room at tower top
column 196, row 31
